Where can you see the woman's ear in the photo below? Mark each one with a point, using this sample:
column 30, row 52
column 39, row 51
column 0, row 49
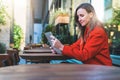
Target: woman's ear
column 91, row 15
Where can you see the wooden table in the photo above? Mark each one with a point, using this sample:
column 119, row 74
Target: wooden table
column 59, row 72
column 38, row 50
column 43, row 57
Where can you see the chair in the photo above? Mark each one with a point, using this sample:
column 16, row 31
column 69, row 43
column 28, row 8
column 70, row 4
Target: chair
column 5, row 60
column 14, row 55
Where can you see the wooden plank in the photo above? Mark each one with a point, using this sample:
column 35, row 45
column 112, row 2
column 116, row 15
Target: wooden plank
column 44, row 57
column 38, row 50
column 60, row 72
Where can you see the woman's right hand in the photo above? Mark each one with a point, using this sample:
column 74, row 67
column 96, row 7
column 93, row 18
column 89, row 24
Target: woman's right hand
column 53, row 51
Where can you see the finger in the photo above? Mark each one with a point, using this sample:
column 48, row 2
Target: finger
column 52, row 40
column 51, row 47
column 52, row 37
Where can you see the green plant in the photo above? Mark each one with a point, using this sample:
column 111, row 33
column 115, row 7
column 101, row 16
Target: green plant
column 18, row 35
column 65, row 39
column 116, row 16
column 2, row 47
column 61, row 13
column 112, row 26
column 3, row 13
column 49, row 28
column 56, row 13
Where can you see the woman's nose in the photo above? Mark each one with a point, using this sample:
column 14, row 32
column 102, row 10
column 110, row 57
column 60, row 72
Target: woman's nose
column 79, row 19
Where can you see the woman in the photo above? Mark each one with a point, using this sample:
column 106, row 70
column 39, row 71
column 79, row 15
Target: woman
column 92, row 46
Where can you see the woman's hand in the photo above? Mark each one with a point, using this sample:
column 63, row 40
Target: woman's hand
column 53, row 51
column 57, row 44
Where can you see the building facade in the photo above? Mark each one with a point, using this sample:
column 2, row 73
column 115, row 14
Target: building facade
column 38, row 13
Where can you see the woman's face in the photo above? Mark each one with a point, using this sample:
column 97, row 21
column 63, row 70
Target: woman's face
column 84, row 17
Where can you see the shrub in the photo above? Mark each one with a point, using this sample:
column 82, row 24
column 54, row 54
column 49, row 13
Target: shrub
column 18, row 35
column 2, row 47
column 49, row 28
column 3, row 13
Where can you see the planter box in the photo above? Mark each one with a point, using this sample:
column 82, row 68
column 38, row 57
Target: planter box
column 62, row 19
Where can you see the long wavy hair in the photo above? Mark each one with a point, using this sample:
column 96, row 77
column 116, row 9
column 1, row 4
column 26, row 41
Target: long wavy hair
column 93, row 22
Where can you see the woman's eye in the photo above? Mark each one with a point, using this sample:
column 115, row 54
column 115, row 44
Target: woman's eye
column 81, row 15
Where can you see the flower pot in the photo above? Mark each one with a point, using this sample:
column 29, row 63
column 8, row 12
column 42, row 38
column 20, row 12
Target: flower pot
column 62, row 19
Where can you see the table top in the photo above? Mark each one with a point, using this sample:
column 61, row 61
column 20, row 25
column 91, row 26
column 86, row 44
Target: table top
column 44, row 56
column 59, row 72
column 38, row 50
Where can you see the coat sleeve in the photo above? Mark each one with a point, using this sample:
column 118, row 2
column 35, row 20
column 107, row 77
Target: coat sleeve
column 76, row 44
column 93, row 45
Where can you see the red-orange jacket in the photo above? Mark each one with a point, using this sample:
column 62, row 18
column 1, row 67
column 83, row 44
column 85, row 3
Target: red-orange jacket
column 94, row 51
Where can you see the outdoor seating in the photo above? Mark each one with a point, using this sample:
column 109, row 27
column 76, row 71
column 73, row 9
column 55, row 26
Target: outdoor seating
column 14, row 56
column 5, row 60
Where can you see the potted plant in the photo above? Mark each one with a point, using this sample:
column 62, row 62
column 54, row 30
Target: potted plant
column 116, row 17
column 49, row 28
column 61, row 16
column 3, row 14
column 2, row 48
column 113, row 28
column 17, row 37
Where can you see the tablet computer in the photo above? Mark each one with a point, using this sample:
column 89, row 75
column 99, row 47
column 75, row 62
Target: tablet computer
column 48, row 36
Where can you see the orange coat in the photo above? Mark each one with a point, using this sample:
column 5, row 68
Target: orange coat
column 94, row 51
